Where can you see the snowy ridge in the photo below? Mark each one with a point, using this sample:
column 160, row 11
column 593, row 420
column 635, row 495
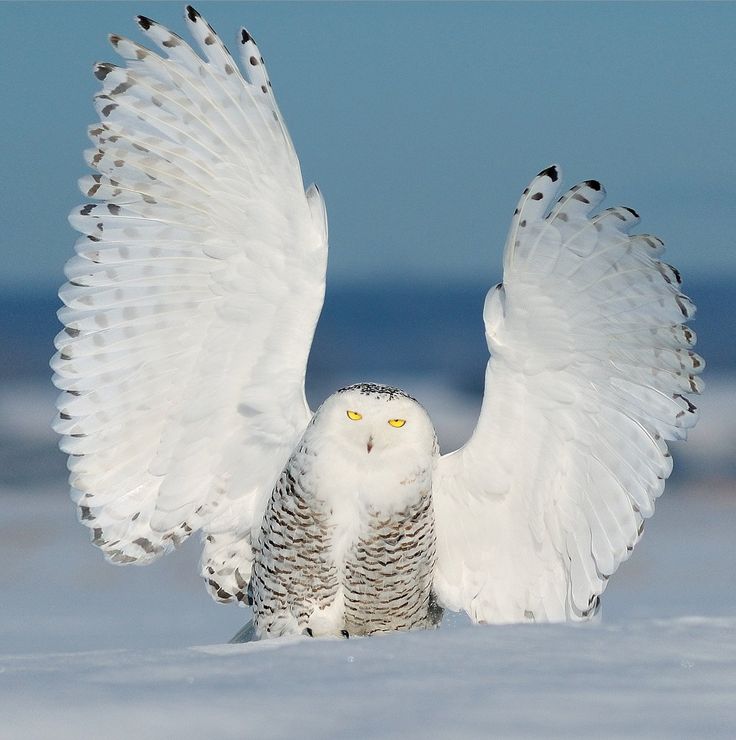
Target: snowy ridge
column 671, row 678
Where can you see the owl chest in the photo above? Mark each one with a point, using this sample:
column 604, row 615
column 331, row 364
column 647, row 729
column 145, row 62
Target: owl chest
column 387, row 572
column 330, row 564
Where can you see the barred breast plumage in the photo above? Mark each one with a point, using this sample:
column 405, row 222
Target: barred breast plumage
column 347, row 543
column 388, row 574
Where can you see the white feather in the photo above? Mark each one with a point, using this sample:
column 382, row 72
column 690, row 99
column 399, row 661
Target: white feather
column 191, row 302
column 588, row 378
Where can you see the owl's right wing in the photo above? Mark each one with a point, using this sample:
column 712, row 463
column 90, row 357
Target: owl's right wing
column 191, row 303
column 590, row 371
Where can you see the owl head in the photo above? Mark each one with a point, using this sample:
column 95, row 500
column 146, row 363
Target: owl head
column 373, row 424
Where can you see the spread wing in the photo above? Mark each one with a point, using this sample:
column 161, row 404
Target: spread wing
column 589, row 378
column 191, row 302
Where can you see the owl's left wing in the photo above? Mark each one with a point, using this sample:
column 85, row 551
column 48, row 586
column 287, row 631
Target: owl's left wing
column 191, row 303
column 589, row 378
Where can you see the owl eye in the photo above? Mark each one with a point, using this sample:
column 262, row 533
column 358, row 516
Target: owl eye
column 397, row 422
column 354, row 415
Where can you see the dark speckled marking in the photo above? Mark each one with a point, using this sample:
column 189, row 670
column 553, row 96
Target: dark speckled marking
column 680, row 300
column 103, row 70
column 145, row 544
column 378, row 390
column 550, row 172
column 121, row 88
column 691, row 407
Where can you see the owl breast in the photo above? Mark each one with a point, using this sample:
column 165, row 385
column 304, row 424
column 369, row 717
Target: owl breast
column 387, row 574
column 353, row 567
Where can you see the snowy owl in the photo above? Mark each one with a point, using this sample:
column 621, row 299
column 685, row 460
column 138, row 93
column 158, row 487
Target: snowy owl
column 188, row 317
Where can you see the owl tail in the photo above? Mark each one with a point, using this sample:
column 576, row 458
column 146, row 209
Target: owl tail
column 244, row 634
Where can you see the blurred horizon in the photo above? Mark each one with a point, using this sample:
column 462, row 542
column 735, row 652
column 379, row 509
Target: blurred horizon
column 431, row 343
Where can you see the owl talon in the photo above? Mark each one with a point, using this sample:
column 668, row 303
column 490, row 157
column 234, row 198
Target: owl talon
column 345, row 634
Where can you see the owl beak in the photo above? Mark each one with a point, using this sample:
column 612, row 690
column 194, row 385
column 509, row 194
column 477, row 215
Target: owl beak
column 369, row 446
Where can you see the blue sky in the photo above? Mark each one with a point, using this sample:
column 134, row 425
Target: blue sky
column 420, row 122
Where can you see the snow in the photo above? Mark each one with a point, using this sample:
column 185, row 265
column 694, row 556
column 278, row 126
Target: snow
column 654, row 679
column 92, row 650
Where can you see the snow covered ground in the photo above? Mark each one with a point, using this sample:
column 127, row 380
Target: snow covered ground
column 671, row 679
column 90, row 650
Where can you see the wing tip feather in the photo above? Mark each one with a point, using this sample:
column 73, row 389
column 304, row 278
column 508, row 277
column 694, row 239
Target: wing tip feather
column 553, row 172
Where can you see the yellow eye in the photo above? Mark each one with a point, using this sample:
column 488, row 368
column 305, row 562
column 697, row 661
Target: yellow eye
column 397, row 422
column 354, row 415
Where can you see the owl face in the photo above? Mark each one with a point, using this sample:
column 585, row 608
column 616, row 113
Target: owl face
column 372, row 423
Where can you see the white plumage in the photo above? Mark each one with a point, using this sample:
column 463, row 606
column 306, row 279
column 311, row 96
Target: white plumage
column 189, row 315
column 347, row 542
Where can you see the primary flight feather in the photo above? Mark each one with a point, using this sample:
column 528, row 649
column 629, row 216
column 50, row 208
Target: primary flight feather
column 188, row 317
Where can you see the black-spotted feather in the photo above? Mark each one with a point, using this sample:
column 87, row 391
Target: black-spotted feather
column 194, row 180
column 587, row 337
